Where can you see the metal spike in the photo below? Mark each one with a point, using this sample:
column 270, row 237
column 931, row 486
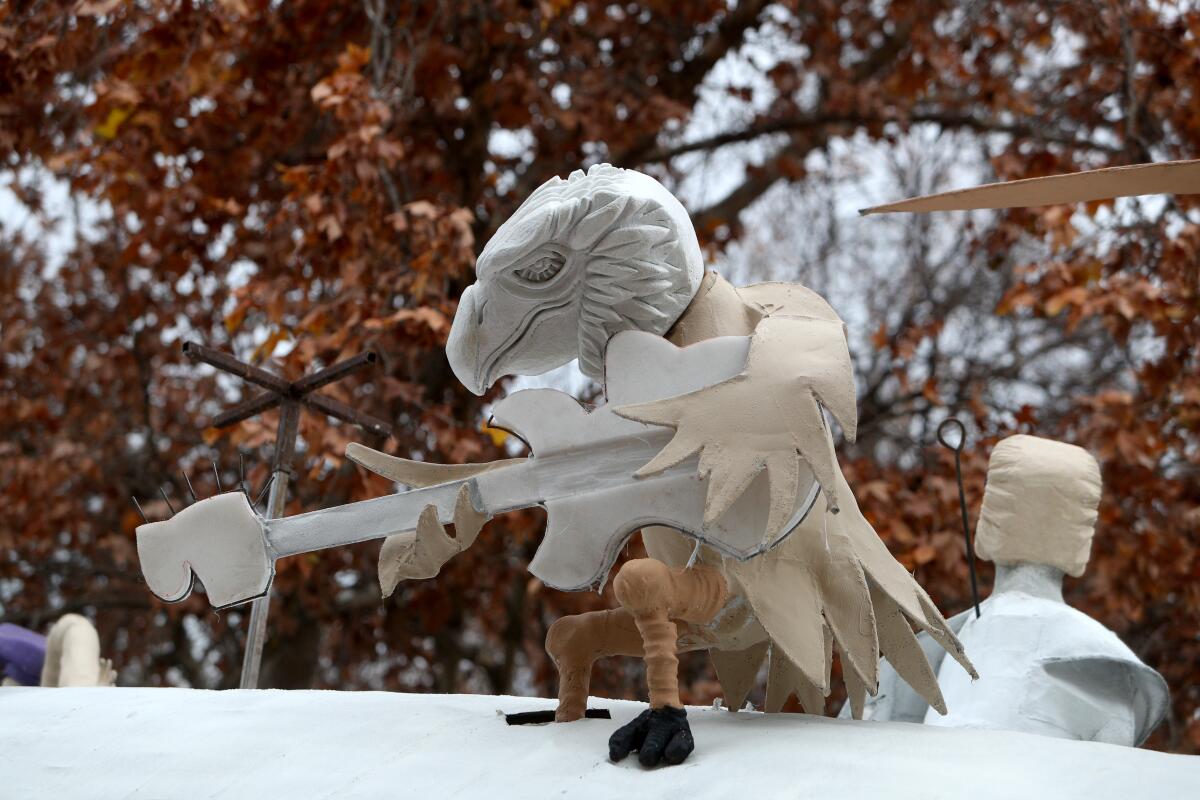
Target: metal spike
column 138, row 506
column 188, row 481
column 163, row 492
column 263, row 492
column 242, row 473
column 217, row 475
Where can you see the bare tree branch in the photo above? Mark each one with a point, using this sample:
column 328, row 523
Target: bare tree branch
column 682, row 85
column 806, row 123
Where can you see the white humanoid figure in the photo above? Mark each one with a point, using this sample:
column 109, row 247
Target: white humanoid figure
column 1044, row 667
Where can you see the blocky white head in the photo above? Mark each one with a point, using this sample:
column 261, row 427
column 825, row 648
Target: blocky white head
column 580, row 260
column 1039, row 505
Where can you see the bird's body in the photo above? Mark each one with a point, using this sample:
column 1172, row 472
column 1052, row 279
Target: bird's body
column 611, row 250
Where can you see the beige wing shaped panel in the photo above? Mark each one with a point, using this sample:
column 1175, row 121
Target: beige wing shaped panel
column 417, row 473
column 1170, row 177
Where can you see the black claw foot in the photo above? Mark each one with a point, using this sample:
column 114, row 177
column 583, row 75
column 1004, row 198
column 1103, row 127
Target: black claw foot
column 658, row 735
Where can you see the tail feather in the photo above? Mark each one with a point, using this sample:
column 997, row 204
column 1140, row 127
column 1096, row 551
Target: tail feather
column 895, row 581
column 738, row 672
column 847, row 610
column 785, row 679
column 841, row 582
column 899, row 645
column 786, row 598
column 943, row 635
column 856, row 691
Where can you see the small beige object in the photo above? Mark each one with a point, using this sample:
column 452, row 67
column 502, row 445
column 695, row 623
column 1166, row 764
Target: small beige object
column 73, row 655
column 418, row 473
column 737, row 672
column 418, row 554
column 1040, row 504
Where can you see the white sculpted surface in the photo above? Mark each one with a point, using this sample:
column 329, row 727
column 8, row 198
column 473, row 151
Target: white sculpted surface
column 580, row 260
column 219, row 539
column 84, row 744
column 1047, row 668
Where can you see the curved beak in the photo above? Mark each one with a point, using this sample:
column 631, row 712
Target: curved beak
column 462, row 347
column 513, row 336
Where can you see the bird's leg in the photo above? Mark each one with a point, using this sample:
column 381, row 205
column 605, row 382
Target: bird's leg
column 658, row 598
column 574, row 643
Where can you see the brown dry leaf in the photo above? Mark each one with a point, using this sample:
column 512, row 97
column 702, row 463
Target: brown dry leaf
column 98, row 8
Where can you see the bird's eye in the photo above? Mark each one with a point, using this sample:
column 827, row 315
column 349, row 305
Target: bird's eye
column 541, row 270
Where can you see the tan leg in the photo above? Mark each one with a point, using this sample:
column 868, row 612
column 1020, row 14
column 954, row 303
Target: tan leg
column 658, row 597
column 574, row 643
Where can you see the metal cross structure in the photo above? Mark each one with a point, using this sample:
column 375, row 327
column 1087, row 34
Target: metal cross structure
column 289, row 396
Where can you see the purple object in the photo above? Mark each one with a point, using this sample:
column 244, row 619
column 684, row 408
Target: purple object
column 22, row 652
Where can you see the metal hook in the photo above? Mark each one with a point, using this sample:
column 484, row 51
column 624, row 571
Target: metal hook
column 962, row 498
column 951, row 422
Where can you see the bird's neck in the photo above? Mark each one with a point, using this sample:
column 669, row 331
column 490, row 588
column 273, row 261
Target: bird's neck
column 716, row 310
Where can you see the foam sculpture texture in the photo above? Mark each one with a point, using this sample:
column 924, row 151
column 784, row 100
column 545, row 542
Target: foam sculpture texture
column 82, row 744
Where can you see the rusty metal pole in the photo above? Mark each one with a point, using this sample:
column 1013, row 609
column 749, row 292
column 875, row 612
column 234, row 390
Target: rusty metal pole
column 281, row 473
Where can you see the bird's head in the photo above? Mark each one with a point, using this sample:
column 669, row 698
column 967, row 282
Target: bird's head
column 581, row 259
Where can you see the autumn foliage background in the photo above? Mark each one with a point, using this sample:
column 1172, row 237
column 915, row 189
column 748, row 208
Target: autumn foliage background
column 298, row 181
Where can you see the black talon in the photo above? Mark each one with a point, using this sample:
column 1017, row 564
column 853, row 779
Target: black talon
column 658, row 735
column 628, row 737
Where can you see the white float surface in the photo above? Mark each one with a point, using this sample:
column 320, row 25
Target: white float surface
column 235, row 745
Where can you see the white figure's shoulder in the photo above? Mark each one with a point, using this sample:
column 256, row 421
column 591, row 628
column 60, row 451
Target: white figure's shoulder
column 1063, row 631
column 1048, row 668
